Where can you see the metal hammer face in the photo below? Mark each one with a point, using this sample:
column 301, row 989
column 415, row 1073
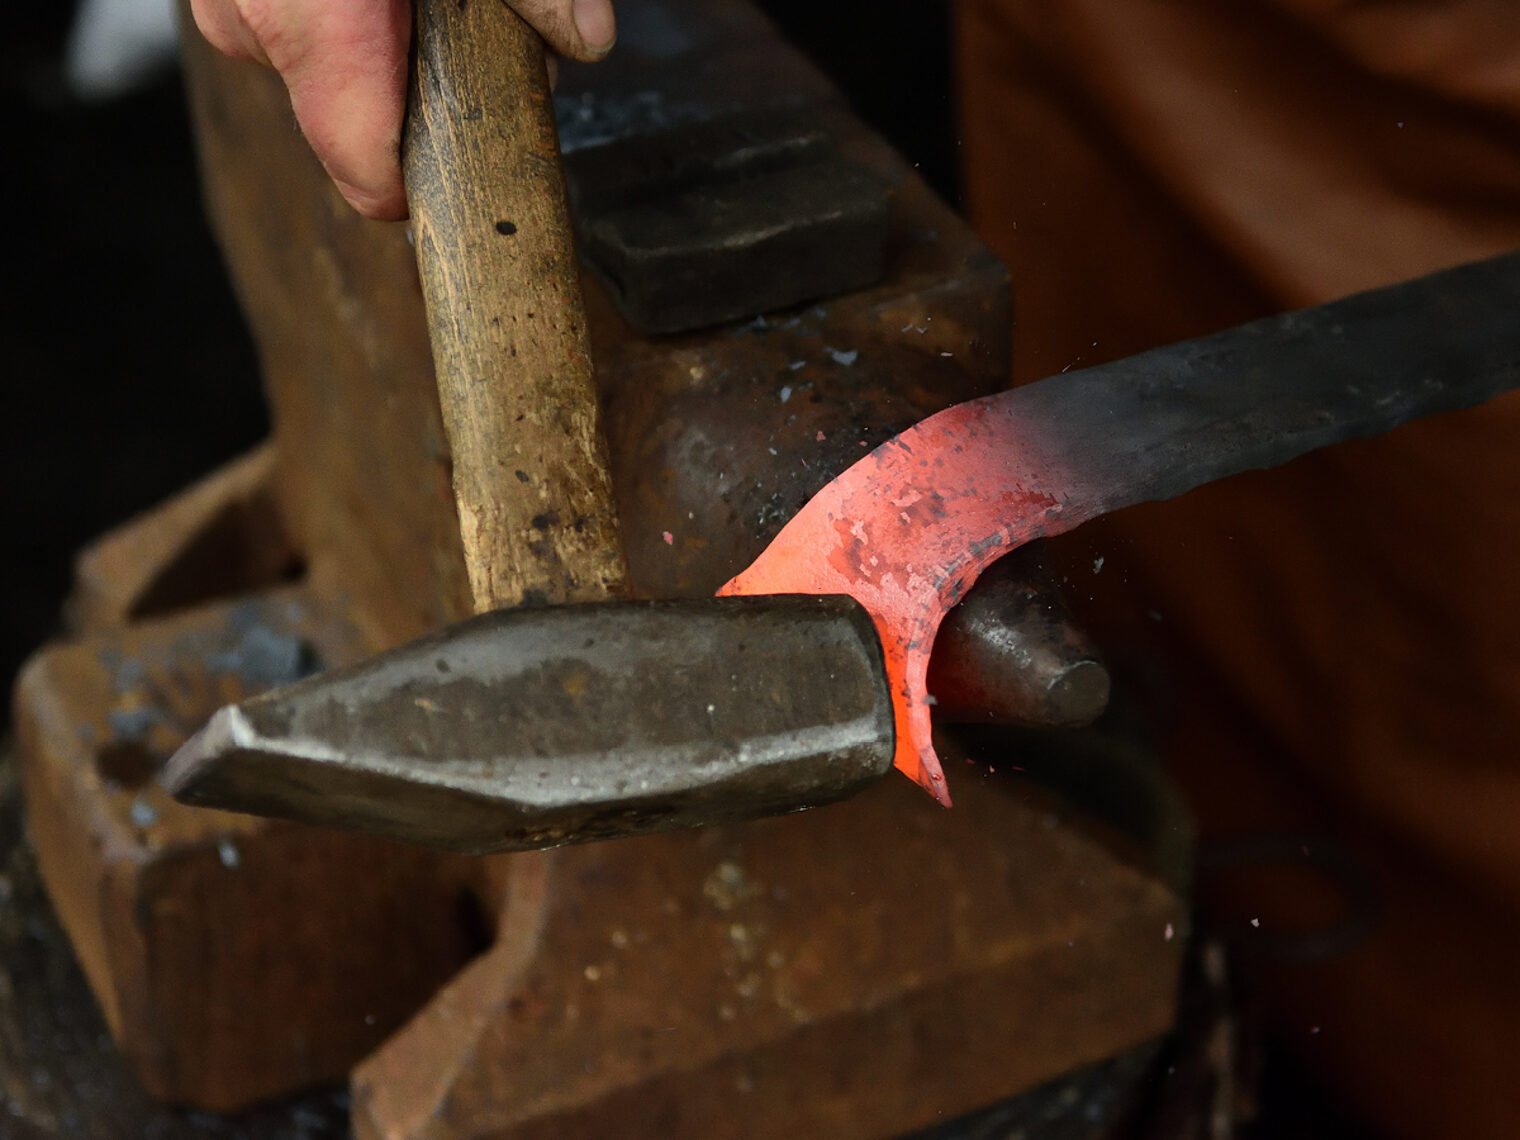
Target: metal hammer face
column 534, row 728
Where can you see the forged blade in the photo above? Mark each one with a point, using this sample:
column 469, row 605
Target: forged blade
column 907, row 530
column 1156, row 425
column 525, row 729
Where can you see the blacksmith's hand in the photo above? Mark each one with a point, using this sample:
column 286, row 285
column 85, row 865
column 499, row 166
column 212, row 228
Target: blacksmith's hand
column 345, row 65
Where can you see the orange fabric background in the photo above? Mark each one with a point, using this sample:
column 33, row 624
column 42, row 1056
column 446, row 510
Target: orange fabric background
column 1340, row 639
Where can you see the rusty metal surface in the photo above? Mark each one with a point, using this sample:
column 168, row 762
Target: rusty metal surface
column 851, row 972
column 233, row 959
column 717, row 444
column 720, row 220
column 1009, row 654
column 61, row 1078
column 219, row 537
column 535, row 728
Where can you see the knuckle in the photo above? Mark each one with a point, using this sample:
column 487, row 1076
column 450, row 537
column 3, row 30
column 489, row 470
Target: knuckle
column 280, row 37
column 218, row 23
column 553, row 20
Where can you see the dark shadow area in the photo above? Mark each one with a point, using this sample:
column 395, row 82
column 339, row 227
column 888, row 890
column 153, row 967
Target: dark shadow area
column 893, row 63
column 127, row 370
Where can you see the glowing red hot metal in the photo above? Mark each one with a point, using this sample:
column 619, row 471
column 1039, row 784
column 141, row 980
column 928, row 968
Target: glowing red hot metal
column 906, row 530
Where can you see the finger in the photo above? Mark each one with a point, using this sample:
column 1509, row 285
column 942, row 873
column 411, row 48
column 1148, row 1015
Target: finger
column 346, row 68
column 576, row 29
column 224, row 28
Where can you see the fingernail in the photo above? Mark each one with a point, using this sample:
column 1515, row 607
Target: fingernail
column 595, row 24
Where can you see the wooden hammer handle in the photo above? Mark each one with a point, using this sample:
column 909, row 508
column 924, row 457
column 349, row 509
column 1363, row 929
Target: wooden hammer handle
column 502, row 291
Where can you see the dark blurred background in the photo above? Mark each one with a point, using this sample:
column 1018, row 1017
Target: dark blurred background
column 127, row 372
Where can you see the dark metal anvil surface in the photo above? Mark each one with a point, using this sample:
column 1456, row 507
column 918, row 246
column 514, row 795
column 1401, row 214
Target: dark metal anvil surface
column 793, row 964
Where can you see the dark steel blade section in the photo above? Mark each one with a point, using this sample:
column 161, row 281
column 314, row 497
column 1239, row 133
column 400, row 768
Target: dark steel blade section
column 1155, row 425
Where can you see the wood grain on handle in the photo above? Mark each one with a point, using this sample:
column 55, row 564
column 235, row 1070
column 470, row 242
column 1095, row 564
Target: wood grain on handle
column 502, row 291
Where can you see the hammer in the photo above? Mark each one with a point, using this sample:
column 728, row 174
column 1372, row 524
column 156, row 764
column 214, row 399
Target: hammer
column 752, row 707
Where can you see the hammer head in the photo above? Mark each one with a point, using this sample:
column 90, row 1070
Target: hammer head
column 533, row 728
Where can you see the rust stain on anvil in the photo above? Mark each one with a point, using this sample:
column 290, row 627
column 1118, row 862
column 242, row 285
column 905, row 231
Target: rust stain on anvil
column 906, row 531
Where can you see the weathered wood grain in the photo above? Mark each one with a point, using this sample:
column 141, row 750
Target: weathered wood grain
column 508, row 330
